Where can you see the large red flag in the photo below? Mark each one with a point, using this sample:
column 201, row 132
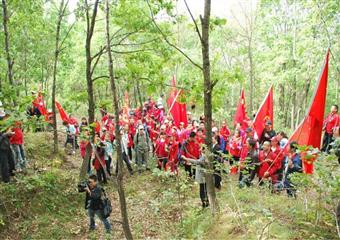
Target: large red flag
column 264, row 113
column 241, row 113
column 310, row 129
column 40, row 104
column 177, row 109
column 63, row 114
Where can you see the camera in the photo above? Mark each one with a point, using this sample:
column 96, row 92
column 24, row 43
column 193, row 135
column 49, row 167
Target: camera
column 82, row 186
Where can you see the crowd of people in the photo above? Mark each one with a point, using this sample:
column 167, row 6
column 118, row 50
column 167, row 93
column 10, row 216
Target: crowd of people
column 149, row 137
column 151, row 134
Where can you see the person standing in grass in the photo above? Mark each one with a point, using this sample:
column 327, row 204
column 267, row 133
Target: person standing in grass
column 17, row 142
column 94, row 204
column 199, row 175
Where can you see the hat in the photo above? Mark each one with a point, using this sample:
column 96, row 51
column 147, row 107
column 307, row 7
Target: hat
column 140, row 127
column 214, row 129
column 104, row 129
column 268, row 123
column 274, row 139
column 2, row 113
column 248, row 130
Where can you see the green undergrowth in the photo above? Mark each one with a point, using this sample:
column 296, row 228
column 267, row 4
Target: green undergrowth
column 44, row 204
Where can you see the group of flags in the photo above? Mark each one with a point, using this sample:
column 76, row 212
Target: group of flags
column 39, row 103
column 308, row 132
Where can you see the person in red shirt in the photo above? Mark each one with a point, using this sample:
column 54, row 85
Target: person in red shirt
column 234, row 149
column 172, row 150
column 200, row 138
column 17, row 141
column 330, row 123
column 276, row 174
column 160, row 151
column 269, row 164
column 99, row 162
column 190, row 150
column 224, row 131
column 182, row 133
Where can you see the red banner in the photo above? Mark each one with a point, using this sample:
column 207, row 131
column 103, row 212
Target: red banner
column 265, row 113
column 241, row 113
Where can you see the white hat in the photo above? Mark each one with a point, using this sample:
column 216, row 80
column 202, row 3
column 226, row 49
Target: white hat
column 2, row 112
column 140, row 127
column 214, row 129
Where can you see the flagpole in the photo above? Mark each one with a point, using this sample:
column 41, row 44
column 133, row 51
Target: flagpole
column 173, row 103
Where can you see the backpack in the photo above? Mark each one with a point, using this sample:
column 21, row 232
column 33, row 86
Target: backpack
column 107, row 207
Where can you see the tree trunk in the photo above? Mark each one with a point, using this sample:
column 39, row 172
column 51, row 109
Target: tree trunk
column 7, row 45
column 120, row 185
column 89, row 33
column 251, row 73
column 208, row 88
column 56, row 58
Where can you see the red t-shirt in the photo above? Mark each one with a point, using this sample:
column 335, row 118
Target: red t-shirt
column 18, row 137
column 331, row 121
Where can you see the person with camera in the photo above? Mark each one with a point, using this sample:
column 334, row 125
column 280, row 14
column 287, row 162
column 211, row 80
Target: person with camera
column 94, row 203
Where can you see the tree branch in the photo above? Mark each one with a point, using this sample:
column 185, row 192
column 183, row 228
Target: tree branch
column 168, row 42
column 68, row 32
column 193, row 19
column 103, row 76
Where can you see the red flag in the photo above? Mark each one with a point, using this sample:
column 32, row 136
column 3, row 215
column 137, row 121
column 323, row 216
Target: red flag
column 241, row 113
column 177, row 109
column 310, row 129
column 62, row 112
column 264, row 113
column 126, row 106
column 40, row 104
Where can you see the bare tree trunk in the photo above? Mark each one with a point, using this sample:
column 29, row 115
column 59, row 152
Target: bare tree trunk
column 56, row 59
column 120, row 185
column 90, row 23
column 251, row 73
column 10, row 61
column 208, row 88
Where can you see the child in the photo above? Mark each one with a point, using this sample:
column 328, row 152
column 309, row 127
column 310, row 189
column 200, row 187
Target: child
column 17, row 141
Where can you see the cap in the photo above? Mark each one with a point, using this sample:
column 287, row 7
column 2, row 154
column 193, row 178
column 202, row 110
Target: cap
column 248, row 130
column 268, row 123
column 140, row 127
column 214, row 129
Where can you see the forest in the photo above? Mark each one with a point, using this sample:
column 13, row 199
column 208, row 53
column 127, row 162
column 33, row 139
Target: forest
column 171, row 105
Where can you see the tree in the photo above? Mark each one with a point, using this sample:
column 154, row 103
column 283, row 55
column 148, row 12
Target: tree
column 120, row 185
column 58, row 46
column 9, row 59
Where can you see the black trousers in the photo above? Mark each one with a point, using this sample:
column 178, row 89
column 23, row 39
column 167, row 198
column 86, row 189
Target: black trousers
column 130, row 152
column 127, row 162
column 5, row 169
column 203, row 194
column 217, row 180
column 327, row 140
column 247, row 175
column 101, row 175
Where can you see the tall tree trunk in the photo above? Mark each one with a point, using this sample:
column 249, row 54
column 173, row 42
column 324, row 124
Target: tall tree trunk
column 120, row 185
column 208, row 88
column 90, row 23
column 56, row 59
column 251, row 72
column 9, row 59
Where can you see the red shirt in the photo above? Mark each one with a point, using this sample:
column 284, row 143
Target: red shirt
column 160, row 148
column 191, row 149
column 200, row 139
column 173, row 152
column 235, row 146
column 331, row 121
column 225, row 132
column 268, row 166
column 18, row 137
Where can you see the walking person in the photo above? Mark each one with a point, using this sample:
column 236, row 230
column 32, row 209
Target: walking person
column 94, row 204
column 142, row 148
